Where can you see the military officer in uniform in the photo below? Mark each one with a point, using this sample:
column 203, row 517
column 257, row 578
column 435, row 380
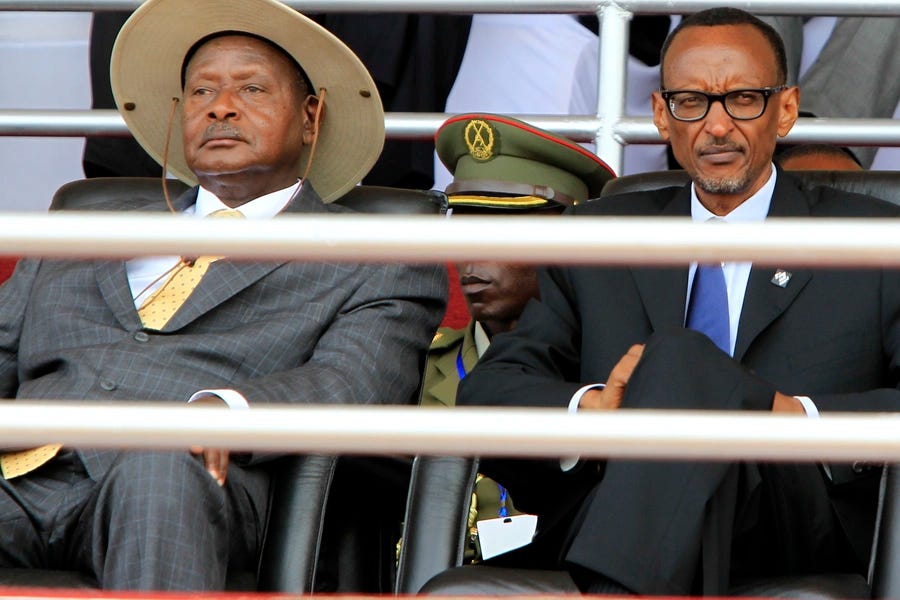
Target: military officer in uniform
column 503, row 167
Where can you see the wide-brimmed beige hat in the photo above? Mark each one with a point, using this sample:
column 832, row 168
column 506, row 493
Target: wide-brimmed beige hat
column 145, row 72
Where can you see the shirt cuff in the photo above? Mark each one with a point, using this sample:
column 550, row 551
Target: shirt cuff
column 231, row 398
column 808, row 406
column 567, row 463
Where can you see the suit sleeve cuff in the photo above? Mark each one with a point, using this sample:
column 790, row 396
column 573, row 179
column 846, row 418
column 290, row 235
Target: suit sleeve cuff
column 232, row 398
column 567, row 463
column 808, row 406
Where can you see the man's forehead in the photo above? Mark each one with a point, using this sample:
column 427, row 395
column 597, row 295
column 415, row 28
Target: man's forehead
column 209, row 49
column 729, row 54
column 267, row 52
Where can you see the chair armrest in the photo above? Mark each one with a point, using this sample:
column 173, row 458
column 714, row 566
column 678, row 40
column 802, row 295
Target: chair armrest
column 300, row 486
column 886, row 563
column 437, row 511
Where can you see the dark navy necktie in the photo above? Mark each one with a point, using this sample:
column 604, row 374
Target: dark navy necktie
column 708, row 309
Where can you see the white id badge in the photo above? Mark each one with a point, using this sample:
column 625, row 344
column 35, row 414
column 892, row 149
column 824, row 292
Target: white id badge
column 503, row 534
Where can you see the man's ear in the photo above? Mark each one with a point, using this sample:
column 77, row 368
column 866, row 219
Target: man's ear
column 310, row 126
column 789, row 109
column 660, row 115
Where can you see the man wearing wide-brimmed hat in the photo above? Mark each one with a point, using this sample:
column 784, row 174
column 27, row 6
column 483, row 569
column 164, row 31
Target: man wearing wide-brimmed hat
column 269, row 114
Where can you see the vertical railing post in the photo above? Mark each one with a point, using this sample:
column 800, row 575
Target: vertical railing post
column 611, row 79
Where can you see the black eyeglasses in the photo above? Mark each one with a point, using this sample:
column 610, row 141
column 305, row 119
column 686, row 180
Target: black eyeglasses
column 744, row 105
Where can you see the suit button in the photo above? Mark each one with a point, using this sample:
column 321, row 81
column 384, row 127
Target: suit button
column 108, row 385
column 861, row 467
column 142, row 336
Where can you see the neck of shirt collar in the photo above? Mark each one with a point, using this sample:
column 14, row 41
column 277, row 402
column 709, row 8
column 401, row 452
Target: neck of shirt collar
column 264, row 207
column 754, row 208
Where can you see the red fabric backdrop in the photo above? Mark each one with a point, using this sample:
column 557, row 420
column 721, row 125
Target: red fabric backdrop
column 457, row 315
column 7, row 264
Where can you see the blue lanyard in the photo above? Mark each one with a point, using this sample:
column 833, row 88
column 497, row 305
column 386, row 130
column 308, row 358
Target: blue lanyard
column 461, row 370
column 503, row 512
column 460, row 367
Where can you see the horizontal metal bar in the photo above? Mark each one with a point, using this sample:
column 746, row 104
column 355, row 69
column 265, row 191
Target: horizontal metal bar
column 887, row 8
column 853, row 132
column 460, row 431
column 382, row 238
column 422, row 126
column 399, row 125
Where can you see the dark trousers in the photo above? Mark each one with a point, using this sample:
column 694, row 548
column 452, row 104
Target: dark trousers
column 672, row 527
column 154, row 521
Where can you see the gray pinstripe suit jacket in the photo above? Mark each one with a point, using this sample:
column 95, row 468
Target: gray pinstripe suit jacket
column 275, row 331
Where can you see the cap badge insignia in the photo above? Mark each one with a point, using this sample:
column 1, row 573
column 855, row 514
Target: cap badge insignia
column 480, row 138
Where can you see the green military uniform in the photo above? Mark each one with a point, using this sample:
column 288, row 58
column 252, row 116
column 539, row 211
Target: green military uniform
column 504, row 166
column 441, row 369
column 450, row 349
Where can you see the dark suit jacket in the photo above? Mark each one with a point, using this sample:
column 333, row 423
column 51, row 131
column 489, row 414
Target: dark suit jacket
column 832, row 334
column 277, row 332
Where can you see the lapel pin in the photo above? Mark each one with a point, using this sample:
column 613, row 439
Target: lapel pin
column 781, row 278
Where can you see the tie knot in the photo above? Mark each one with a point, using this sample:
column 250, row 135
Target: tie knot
column 226, row 213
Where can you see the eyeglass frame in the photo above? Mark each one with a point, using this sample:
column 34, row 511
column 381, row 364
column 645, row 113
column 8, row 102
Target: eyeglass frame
column 766, row 92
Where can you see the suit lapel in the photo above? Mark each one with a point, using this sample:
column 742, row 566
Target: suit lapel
column 112, row 281
column 768, row 295
column 222, row 281
column 663, row 290
column 111, row 276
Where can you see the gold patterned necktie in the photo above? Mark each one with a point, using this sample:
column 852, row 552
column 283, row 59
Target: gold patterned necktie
column 154, row 313
column 165, row 302
column 13, row 464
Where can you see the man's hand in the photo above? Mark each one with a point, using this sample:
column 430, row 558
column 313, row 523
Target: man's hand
column 611, row 396
column 214, row 459
column 787, row 404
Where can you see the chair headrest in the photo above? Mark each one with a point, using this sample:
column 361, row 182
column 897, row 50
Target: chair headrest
column 880, row 184
column 90, row 194
column 379, row 199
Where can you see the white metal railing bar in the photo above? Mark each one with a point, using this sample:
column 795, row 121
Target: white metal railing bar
column 420, row 126
column 885, row 8
column 392, row 430
column 614, row 16
column 382, row 238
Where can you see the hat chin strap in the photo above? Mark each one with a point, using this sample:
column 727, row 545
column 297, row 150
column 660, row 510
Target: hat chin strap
column 316, row 119
column 165, row 158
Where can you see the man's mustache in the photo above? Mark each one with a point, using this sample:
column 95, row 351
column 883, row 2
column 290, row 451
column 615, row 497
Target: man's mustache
column 720, row 147
column 221, row 131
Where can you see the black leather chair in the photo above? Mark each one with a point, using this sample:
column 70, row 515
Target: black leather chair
column 437, row 506
column 88, row 194
column 365, row 507
column 288, row 561
column 300, row 484
column 429, row 549
column 881, row 184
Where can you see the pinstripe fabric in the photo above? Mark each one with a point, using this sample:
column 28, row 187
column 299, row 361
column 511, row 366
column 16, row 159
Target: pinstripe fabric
column 277, row 332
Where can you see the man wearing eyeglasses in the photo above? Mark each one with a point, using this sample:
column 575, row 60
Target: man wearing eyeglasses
column 729, row 336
